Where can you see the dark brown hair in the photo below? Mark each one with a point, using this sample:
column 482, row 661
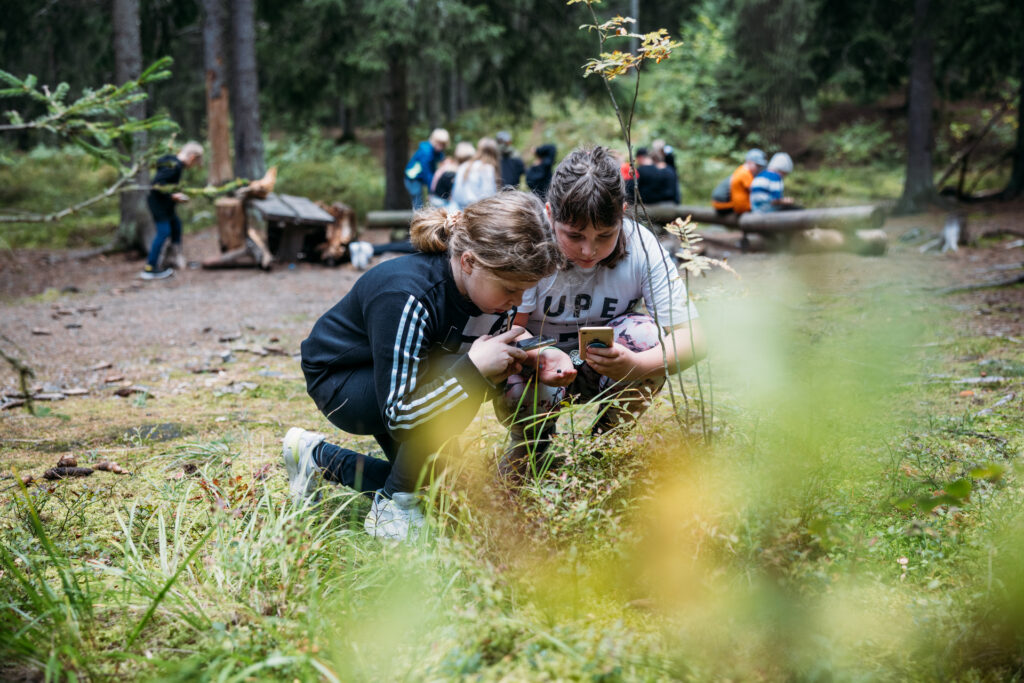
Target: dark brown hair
column 506, row 233
column 586, row 189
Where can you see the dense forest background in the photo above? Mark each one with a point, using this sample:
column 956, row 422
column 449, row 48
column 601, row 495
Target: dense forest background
column 932, row 88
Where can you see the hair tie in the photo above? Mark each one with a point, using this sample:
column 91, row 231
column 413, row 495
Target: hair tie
column 450, row 219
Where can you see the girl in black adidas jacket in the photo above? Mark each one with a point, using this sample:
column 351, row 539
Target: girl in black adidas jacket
column 403, row 356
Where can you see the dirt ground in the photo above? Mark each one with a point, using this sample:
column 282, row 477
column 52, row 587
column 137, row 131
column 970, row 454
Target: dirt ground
column 65, row 317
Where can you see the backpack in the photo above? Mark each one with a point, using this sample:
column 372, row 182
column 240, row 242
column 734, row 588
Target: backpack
column 722, row 192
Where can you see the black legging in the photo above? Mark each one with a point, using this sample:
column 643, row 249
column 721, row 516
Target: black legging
column 354, row 410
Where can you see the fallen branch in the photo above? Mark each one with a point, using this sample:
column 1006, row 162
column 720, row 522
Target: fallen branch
column 65, row 472
column 1002, row 232
column 982, row 285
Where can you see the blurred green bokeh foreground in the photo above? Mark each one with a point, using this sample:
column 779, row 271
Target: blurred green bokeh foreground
column 849, row 520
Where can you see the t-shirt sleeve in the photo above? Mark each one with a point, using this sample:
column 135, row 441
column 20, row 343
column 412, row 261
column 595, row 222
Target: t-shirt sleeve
column 402, row 329
column 663, row 288
column 529, row 304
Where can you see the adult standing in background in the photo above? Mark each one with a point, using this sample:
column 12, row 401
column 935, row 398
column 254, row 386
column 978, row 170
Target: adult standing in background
column 419, row 172
column 732, row 195
column 512, row 166
column 162, row 205
column 768, row 192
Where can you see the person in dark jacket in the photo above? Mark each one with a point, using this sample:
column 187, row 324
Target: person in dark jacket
column 656, row 180
column 410, row 353
column 512, row 167
column 169, row 169
column 538, row 176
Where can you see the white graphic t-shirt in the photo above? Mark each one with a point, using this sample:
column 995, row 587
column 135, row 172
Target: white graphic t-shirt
column 569, row 299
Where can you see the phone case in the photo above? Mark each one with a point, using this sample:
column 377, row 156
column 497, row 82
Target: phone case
column 589, row 335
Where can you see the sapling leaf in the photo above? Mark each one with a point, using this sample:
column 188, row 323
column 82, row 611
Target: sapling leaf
column 961, row 488
column 990, row 472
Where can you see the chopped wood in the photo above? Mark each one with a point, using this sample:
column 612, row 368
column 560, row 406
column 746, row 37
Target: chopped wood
column 65, row 472
column 339, row 233
column 128, row 391
column 108, row 466
column 256, row 350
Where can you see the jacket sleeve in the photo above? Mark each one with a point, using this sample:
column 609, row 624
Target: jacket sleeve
column 418, row 400
column 740, row 191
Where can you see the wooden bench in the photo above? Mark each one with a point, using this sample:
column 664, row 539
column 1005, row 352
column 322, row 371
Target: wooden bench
column 290, row 221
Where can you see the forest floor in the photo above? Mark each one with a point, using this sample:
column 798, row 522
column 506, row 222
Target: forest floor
column 70, row 314
column 191, row 382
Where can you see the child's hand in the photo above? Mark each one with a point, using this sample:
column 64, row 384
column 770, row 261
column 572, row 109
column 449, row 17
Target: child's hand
column 616, row 363
column 555, row 368
column 179, row 197
column 495, row 357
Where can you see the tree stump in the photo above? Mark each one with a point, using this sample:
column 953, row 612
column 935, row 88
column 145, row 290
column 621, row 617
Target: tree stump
column 230, row 223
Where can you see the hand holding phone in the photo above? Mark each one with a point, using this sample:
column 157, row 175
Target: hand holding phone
column 598, row 337
column 532, row 343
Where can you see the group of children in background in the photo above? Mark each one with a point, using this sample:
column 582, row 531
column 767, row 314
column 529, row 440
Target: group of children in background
column 421, row 341
column 756, row 185
column 472, row 173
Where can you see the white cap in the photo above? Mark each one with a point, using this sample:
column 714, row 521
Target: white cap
column 781, row 162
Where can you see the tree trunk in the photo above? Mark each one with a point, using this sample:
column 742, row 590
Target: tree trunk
column 245, row 104
column 218, row 128
column 396, row 133
column 453, row 95
column 135, row 229
column 919, row 188
column 1016, row 185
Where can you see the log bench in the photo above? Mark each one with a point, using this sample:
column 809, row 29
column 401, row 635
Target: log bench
column 839, row 218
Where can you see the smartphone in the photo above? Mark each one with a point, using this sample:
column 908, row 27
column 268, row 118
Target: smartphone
column 598, row 337
column 534, row 343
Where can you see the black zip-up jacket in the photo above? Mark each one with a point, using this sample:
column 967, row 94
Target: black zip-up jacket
column 168, row 172
column 407, row 319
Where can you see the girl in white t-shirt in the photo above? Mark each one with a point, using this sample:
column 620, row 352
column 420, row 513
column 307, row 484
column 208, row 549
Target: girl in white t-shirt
column 477, row 178
column 613, row 265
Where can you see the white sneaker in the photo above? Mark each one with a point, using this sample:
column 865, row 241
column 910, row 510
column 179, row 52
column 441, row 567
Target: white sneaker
column 360, row 253
column 394, row 518
column 303, row 474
